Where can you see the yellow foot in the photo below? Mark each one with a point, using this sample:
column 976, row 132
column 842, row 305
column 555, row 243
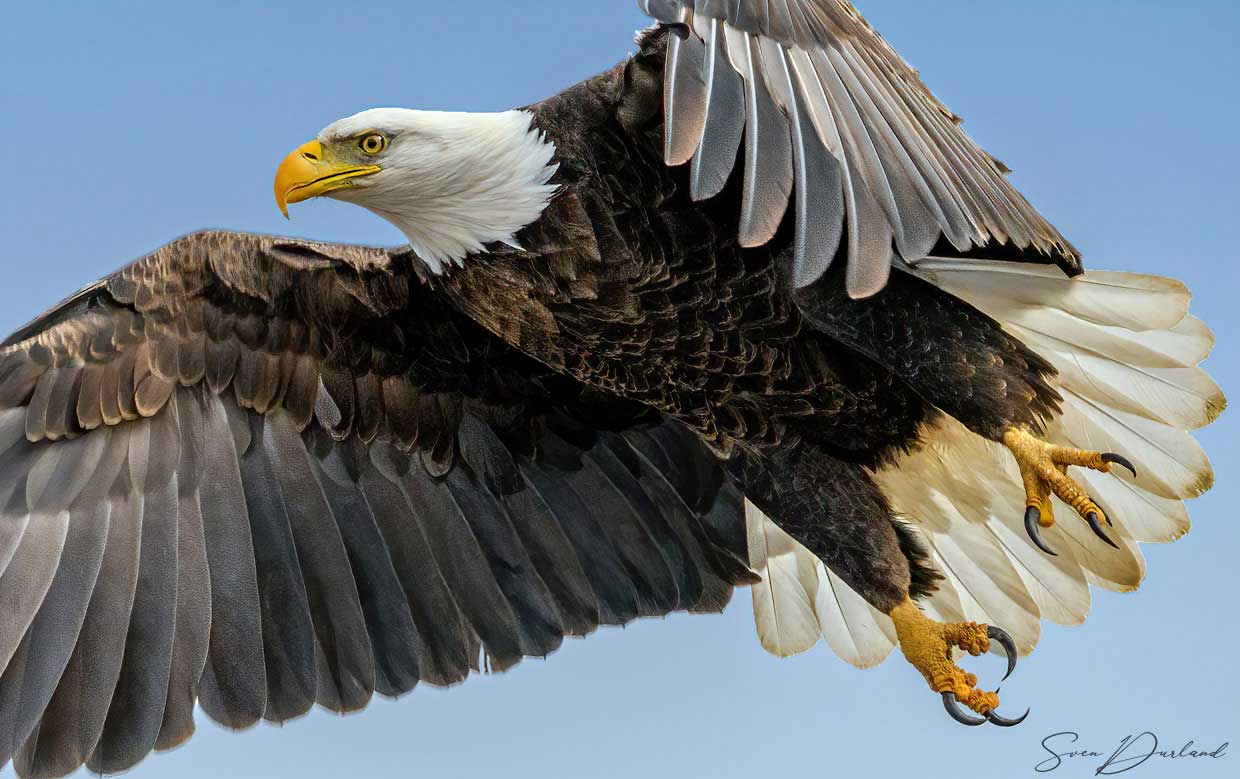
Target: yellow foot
column 928, row 646
column 1044, row 469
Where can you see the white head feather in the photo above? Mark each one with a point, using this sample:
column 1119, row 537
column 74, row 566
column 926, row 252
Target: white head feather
column 452, row 182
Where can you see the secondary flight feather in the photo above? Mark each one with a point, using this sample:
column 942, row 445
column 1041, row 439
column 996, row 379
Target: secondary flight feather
column 749, row 308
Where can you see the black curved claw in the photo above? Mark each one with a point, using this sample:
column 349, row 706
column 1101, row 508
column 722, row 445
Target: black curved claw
column 1004, row 722
column 1096, row 526
column 1009, row 647
column 1120, row 460
column 1108, row 516
column 1032, row 515
column 953, row 708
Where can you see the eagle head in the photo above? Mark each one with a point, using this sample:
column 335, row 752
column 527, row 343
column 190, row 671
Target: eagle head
column 451, row 182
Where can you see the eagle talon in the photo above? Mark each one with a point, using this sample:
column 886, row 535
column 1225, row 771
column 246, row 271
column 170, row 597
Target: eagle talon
column 1094, row 525
column 1033, row 515
column 928, row 646
column 1114, row 459
column 1044, row 470
column 1004, row 722
column 1004, row 639
column 953, row 708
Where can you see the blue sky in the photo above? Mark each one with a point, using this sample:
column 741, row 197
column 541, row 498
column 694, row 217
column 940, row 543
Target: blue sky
column 123, row 125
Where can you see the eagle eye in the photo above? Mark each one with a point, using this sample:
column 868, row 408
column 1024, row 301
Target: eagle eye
column 373, row 143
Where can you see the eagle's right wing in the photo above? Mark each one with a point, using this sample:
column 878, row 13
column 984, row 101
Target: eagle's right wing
column 831, row 114
column 260, row 473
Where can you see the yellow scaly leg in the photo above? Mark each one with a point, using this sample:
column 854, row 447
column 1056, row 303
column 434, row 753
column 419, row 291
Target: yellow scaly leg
column 1044, row 471
column 928, row 646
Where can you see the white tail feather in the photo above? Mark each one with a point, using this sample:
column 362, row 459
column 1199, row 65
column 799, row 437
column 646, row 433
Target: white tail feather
column 783, row 602
column 799, row 601
column 1127, row 352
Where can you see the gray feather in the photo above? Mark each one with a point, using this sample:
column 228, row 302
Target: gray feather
column 768, row 158
column 339, row 626
column 193, row 596
column 686, row 575
column 288, row 630
column 447, row 644
column 389, row 624
column 555, row 559
column 74, row 718
column 234, row 682
column 684, row 97
column 820, row 209
column 725, row 123
column 538, row 623
column 464, row 567
column 617, row 596
column 28, row 577
column 137, row 709
column 925, row 178
column 32, row 676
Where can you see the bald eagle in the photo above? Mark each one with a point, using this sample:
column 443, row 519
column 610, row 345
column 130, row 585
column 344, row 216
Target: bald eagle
column 749, row 308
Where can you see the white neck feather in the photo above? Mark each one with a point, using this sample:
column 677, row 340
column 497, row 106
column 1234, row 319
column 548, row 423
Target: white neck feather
column 455, row 182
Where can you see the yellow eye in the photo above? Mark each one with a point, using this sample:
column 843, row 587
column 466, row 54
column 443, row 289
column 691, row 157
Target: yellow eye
column 373, row 143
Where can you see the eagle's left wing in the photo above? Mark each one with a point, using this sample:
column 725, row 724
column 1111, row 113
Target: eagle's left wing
column 254, row 474
column 831, row 114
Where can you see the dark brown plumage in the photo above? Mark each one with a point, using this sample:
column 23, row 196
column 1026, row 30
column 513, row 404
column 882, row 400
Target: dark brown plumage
column 272, row 473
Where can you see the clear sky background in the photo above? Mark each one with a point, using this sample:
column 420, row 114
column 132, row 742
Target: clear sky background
column 126, row 124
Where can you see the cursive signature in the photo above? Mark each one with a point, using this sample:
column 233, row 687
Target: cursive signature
column 1133, row 752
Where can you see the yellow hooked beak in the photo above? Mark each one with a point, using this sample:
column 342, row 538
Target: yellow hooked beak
column 306, row 173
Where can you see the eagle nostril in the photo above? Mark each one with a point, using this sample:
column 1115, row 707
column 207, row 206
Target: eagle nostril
column 310, row 156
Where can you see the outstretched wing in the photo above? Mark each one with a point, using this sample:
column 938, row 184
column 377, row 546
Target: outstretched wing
column 259, row 474
column 835, row 122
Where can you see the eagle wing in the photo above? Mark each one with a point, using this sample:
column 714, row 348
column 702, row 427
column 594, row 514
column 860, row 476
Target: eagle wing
column 837, row 127
column 260, row 473
column 828, row 112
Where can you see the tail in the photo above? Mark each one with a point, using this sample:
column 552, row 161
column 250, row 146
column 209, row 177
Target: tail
column 1127, row 352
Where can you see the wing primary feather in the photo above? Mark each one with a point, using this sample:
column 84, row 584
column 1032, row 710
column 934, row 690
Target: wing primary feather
column 820, row 210
column 768, row 157
column 193, row 597
column 26, row 687
column 702, row 588
column 233, row 691
column 869, row 231
column 725, row 120
column 537, row 621
column 618, row 602
column 686, row 575
column 448, row 646
column 28, row 577
column 908, row 142
column 137, row 711
column 73, row 719
column 555, row 559
column 638, row 552
column 684, row 95
column 714, row 506
column 919, row 219
column 339, row 625
column 606, row 511
column 464, row 567
column 866, row 161
column 287, row 627
column 389, row 624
